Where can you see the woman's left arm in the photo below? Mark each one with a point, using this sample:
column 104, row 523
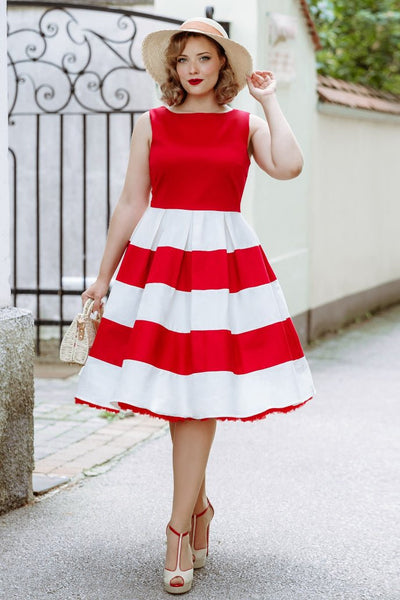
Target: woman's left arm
column 273, row 144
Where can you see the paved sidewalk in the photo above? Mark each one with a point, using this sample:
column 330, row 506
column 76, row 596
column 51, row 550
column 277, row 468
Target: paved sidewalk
column 73, row 440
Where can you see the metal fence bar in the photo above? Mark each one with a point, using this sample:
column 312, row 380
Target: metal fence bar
column 61, row 229
column 48, row 292
column 108, row 170
column 37, row 232
column 132, row 123
column 15, row 225
column 84, row 199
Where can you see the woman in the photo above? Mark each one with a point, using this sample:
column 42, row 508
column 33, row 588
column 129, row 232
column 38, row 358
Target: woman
column 196, row 328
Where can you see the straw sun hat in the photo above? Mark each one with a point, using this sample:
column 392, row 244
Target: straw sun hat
column 155, row 44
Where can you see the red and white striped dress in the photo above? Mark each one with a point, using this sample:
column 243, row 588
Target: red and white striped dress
column 196, row 325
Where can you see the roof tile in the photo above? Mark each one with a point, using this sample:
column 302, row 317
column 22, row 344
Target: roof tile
column 310, row 25
column 355, row 95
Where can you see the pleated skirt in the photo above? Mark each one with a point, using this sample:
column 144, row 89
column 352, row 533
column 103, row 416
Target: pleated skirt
column 196, row 325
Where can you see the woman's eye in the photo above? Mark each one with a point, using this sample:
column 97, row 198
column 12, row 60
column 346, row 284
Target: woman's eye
column 205, row 58
column 181, row 60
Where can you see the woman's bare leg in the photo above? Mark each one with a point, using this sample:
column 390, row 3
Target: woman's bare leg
column 192, row 442
column 201, row 501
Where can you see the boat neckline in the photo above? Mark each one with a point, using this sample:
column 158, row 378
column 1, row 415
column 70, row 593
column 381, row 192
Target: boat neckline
column 226, row 112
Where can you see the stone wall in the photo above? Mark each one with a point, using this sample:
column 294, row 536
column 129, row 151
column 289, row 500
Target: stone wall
column 16, row 408
column 16, row 344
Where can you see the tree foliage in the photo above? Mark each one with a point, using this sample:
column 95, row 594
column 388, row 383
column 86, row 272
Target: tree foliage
column 360, row 40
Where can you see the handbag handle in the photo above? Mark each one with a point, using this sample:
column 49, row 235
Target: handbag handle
column 88, row 308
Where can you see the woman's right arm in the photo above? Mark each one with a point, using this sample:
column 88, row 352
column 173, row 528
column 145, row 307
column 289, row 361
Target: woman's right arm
column 132, row 203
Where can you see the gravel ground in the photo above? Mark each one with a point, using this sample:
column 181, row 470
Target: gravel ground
column 306, row 504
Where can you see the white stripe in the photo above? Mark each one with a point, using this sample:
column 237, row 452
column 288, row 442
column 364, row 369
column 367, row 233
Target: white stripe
column 197, row 396
column 197, row 310
column 97, row 382
column 193, row 230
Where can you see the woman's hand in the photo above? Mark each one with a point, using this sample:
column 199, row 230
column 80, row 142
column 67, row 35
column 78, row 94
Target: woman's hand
column 96, row 291
column 261, row 84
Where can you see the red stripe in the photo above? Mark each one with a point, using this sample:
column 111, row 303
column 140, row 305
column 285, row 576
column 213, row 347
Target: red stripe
column 196, row 270
column 197, row 351
column 146, row 411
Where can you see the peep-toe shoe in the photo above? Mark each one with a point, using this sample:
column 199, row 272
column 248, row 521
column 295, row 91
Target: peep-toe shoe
column 185, row 576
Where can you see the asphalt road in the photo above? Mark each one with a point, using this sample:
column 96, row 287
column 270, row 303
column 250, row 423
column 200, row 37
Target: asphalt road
column 306, row 504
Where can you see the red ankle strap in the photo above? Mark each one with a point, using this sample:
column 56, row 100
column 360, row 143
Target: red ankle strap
column 177, row 532
column 205, row 510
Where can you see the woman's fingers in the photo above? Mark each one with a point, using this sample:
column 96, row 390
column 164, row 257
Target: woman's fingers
column 85, row 296
column 93, row 296
column 264, row 73
column 261, row 83
column 263, row 77
column 96, row 305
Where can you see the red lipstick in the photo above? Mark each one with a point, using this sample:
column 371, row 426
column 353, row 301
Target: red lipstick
column 195, row 81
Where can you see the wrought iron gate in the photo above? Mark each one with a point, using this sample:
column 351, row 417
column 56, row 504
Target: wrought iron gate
column 76, row 86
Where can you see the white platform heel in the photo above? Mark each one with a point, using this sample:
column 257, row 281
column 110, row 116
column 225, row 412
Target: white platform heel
column 200, row 554
column 185, row 577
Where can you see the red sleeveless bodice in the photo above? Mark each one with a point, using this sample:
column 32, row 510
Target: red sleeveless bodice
column 198, row 161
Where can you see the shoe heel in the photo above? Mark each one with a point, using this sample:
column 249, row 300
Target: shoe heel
column 200, row 555
column 199, row 558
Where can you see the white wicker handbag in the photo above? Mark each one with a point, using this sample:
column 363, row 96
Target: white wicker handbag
column 79, row 337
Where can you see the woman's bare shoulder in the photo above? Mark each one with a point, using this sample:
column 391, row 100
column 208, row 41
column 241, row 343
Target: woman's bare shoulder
column 256, row 123
column 142, row 128
column 143, row 121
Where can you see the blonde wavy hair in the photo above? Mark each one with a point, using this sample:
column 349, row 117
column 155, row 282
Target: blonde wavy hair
column 173, row 93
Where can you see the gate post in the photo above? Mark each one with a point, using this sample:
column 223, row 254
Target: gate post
column 16, row 342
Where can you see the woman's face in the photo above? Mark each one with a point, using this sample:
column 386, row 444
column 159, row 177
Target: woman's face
column 198, row 66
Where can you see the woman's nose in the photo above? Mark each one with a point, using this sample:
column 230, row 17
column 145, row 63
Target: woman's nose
column 193, row 68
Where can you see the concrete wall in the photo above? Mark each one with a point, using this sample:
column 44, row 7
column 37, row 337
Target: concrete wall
column 356, row 203
column 355, row 249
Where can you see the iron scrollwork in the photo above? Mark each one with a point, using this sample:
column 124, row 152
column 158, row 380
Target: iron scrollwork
column 74, row 62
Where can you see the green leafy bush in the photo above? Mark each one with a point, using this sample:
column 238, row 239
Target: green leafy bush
column 360, row 40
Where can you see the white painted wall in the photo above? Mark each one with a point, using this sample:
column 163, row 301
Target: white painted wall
column 281, row 208
column 356, row 203
column 5, row 298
